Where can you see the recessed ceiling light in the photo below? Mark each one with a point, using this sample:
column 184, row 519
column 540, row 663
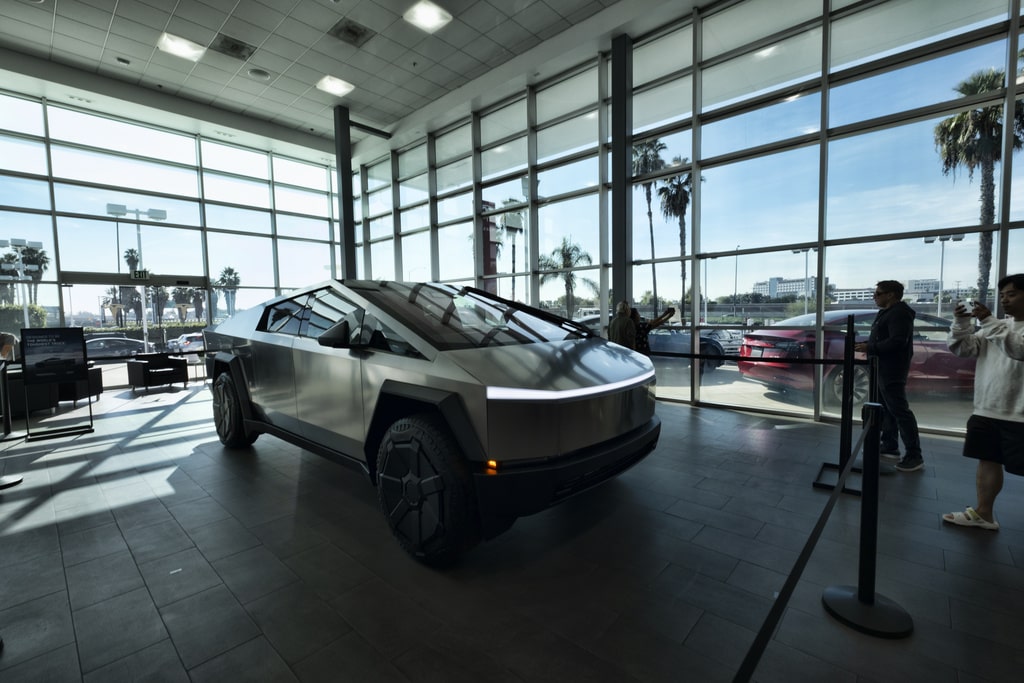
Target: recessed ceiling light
column 259, row 74
column 180, row 47
column 427, row 16
column 124, row 61
column 335, row 86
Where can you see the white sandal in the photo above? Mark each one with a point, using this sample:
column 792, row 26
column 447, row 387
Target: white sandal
column 969, row 517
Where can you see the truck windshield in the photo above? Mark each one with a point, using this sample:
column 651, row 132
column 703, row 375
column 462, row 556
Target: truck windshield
column 454, row 317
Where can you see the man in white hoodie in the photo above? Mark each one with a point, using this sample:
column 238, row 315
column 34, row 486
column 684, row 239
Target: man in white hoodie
column 995, row 431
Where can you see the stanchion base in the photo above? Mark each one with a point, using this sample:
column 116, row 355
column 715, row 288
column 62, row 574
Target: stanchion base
column 831, row 466
column 9, row 481
column 883, row 619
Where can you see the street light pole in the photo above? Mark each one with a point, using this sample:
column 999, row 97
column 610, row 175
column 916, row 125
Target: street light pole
column 118, row 210
column 735, row 280
column 512, row 223
column 705, row 292
column 942, row 263
column 806, row 252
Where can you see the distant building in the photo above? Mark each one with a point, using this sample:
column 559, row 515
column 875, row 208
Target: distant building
column 863, row 294
column 921, row 290
column 776, row 287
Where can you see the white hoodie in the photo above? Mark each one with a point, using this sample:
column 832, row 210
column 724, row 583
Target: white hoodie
column 999, row 375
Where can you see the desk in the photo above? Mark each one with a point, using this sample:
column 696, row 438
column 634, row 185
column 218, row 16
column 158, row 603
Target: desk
column 40, row 396
column 77, row 390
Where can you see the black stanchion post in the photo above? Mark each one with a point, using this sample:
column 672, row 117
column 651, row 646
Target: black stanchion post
column 5, row 399
column 845, row 417
column 860, row 607
column 846, row 413
column 869, row 505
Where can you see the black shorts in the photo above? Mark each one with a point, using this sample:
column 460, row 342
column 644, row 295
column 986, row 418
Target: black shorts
column 1000, row 441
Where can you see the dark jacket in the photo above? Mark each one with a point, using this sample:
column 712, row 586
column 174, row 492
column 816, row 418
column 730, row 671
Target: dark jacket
column 892, row 341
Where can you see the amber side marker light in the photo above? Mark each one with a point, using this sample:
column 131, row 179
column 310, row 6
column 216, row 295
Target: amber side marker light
column 492, row 467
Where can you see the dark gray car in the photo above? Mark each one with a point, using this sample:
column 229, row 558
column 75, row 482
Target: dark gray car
column 466, row 410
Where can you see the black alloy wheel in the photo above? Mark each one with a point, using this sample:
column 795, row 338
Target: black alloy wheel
column 713, row 348
column 227, row 414
column 834, row 387
column 424, row 490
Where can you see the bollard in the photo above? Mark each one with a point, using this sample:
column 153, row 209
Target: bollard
column 860, row 607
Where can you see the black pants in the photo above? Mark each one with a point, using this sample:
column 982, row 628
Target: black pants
column 898, row 418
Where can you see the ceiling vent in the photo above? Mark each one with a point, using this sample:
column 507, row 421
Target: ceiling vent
column 351, row 32
column 226, row 45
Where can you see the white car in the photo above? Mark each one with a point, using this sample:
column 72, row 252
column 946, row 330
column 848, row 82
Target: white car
column 191, row 343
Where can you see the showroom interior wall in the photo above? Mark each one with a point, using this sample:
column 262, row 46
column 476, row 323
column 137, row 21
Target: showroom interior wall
column 783, row 161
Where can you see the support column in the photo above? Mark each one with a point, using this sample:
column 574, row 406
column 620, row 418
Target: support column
column 622, row 169
column 346, row 224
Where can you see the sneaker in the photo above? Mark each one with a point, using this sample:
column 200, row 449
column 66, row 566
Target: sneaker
column 910, row 464
column 890, row 453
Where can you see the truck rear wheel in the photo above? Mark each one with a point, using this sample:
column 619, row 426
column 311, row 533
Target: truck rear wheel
column 227, row 413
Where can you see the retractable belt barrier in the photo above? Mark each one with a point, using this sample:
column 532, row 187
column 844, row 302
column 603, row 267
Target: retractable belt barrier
column 859, row 607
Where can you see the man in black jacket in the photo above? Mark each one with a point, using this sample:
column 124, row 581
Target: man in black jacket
column 892, row 342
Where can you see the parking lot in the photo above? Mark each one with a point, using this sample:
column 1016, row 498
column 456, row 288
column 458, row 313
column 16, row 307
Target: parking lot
column 721, row 386
column 726, row 386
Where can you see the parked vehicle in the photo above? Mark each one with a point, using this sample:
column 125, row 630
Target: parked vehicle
column 99, row 348
column 190, row 343
column 676, row 339
column 713, row 342
column 173, row 344
column 933, row 367
column 466, row 410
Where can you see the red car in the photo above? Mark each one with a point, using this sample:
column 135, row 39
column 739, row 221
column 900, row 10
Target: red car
column 933, row 367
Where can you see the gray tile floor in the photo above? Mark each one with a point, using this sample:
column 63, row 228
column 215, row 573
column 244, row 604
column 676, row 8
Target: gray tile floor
column 144, row 550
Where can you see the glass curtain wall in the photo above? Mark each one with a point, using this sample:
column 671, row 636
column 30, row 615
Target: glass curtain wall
column 87, row 201
column 815, row 184
column 783, row 162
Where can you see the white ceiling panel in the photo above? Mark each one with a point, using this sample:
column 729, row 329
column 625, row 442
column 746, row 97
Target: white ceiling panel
column 399, row 74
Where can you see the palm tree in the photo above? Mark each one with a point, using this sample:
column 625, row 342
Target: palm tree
column 131, row 299
column 131, row 257
column 564, row 259
column 197, row 303
column 228, row 283
column 134, row 300
column 972, row 139
column 182, row 297
column 647, row 159
column 158, row 295
column 38, row 258
column 127, row 297
column 675, row 198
